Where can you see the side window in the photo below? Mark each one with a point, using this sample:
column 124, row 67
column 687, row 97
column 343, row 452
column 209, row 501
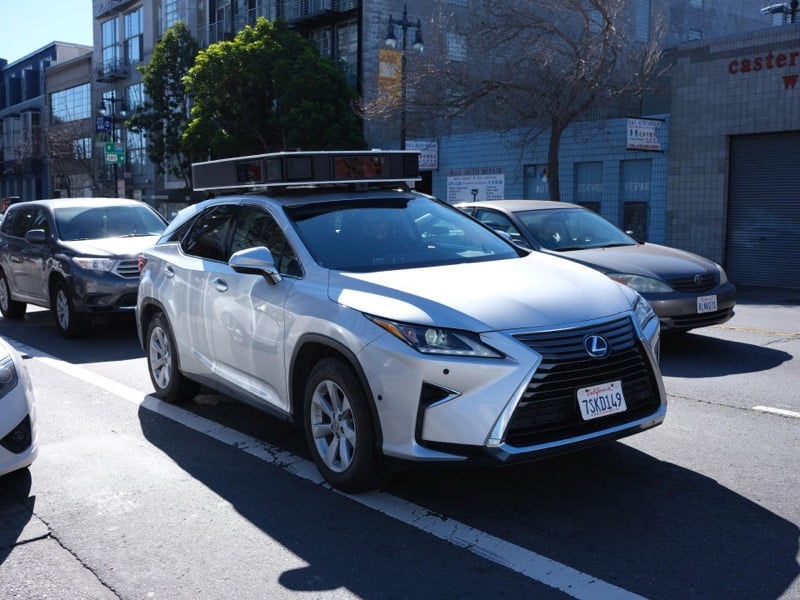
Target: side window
column 498, row 222
column 8, row 222
column 256, row 227
column 21, row 221
column 208, row 236
column 40, row 220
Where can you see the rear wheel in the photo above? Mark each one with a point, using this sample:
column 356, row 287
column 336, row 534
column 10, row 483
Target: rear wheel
column 11, row 309
column 70, row 324
column 162, row 363
column 338, row 426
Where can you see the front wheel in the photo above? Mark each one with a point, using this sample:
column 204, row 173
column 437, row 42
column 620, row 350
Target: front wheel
column 162, row 363
column 338, row 426
column 70, row 324
column 11, row 309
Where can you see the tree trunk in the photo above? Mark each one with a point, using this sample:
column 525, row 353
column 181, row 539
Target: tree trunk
column 553, row 183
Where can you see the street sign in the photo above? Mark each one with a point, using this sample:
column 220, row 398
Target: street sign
column 115, row 153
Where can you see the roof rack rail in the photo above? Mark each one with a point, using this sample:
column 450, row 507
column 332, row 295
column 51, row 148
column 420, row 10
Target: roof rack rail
column 306, row 168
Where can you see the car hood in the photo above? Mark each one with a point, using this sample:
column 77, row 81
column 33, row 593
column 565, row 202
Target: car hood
column 125, row 246
column 650, row 260
column 533, row 291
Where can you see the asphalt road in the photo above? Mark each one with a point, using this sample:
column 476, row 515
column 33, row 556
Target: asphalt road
column 131, row 498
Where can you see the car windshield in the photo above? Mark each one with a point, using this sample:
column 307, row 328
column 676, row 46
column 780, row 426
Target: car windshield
column 564, row 229
column 394, row 233
column 97, row 222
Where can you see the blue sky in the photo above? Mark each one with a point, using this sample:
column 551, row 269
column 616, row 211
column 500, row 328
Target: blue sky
column 27, row 25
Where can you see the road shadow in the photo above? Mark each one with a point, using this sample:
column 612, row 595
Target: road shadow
column 16, row 509
column 695, row 355
column 650, row 527
column 116, row 336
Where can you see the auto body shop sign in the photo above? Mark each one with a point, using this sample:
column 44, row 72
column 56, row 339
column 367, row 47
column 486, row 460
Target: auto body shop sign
column 643, row 134
column 471, row 185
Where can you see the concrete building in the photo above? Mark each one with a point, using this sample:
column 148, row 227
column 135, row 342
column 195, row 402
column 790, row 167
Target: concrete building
column 733, row 185
column 23, row 172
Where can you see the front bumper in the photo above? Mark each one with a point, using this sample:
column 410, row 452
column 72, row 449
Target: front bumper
column 518, row 408
column 103, row 292
column 678, row 311
column 19, row 442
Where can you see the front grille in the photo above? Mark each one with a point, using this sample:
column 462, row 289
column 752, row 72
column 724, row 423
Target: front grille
column 127, row 267
column 548, row 410
column 694, row 283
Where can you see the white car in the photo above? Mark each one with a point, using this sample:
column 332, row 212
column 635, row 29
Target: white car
column 389, row 325
column 18, row 440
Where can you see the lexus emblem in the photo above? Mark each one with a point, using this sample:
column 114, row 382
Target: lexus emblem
column 596, row 346
column 698, row 279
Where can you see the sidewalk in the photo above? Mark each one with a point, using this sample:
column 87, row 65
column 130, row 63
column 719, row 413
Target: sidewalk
column 748, row 294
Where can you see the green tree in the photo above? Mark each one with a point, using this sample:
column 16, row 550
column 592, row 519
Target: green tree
column 268, row 90
column 166, row 110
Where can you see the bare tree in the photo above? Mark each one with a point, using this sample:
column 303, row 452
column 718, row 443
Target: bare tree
column 535, row 67
column 69, row 155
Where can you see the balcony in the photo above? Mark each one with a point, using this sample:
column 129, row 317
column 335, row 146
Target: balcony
column 303, row 10
column 110, row 71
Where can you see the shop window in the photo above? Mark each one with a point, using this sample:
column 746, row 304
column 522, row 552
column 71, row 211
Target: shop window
column 634, row 219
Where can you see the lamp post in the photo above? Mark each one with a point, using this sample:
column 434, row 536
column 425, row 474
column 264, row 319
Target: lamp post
column 105, row 111
column 391, row 42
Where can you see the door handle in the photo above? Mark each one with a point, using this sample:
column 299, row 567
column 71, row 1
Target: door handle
column 169, row 271
column 220, row 284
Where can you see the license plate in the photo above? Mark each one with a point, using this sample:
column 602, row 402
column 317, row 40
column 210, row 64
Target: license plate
column 601, row 400
column 706, row 303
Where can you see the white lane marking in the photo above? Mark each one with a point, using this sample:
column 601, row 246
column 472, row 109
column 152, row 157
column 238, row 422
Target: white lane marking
column 530, row 564
column 778, row 411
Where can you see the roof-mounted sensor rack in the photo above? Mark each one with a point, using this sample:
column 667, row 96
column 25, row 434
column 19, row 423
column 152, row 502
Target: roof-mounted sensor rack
column 306, row 168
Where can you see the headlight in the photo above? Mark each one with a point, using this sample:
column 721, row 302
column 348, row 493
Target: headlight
column 436, row 340
column 94, row 264
column 643, row 285
column 723, row 276
column 643, row 311
column 8, row 375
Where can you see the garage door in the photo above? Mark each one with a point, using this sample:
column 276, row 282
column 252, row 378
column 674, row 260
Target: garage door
column 763, row 235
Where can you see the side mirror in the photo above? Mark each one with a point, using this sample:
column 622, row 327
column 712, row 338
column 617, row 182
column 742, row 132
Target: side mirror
column 36, row 236
column 256, row 261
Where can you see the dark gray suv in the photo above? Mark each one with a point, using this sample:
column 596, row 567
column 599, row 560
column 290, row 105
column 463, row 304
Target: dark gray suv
column 76, row 256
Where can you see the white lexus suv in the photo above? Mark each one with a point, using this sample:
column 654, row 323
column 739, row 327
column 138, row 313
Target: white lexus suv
column 388, row 324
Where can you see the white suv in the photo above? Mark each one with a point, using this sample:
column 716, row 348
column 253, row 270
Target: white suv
column 388, row 324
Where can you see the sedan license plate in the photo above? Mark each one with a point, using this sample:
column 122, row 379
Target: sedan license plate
column 706, row 303
column 601, row 400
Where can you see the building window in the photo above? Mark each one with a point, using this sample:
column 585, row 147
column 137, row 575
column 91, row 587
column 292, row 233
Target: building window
column 696, row 3
column 642, row 23
column 110, row 41
column 134, row 45
column 347, row 51
column 82, row 148
column 70, row 104
column 535, row 182
column 694, row 34
column 137, row 152
column 171, row 14
column 456, row 47
column 321, row 38
column 134, row 97
column 595, row 20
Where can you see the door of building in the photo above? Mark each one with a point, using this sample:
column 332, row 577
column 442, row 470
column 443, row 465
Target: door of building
column 762, row 241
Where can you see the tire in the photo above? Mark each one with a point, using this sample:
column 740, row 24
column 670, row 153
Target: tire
column 70, row 324
column 162, row 363
column 11, row 309
column 339, row 428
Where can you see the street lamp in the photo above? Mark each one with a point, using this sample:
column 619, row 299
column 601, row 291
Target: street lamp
column 104, row 111
column 391, row 42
